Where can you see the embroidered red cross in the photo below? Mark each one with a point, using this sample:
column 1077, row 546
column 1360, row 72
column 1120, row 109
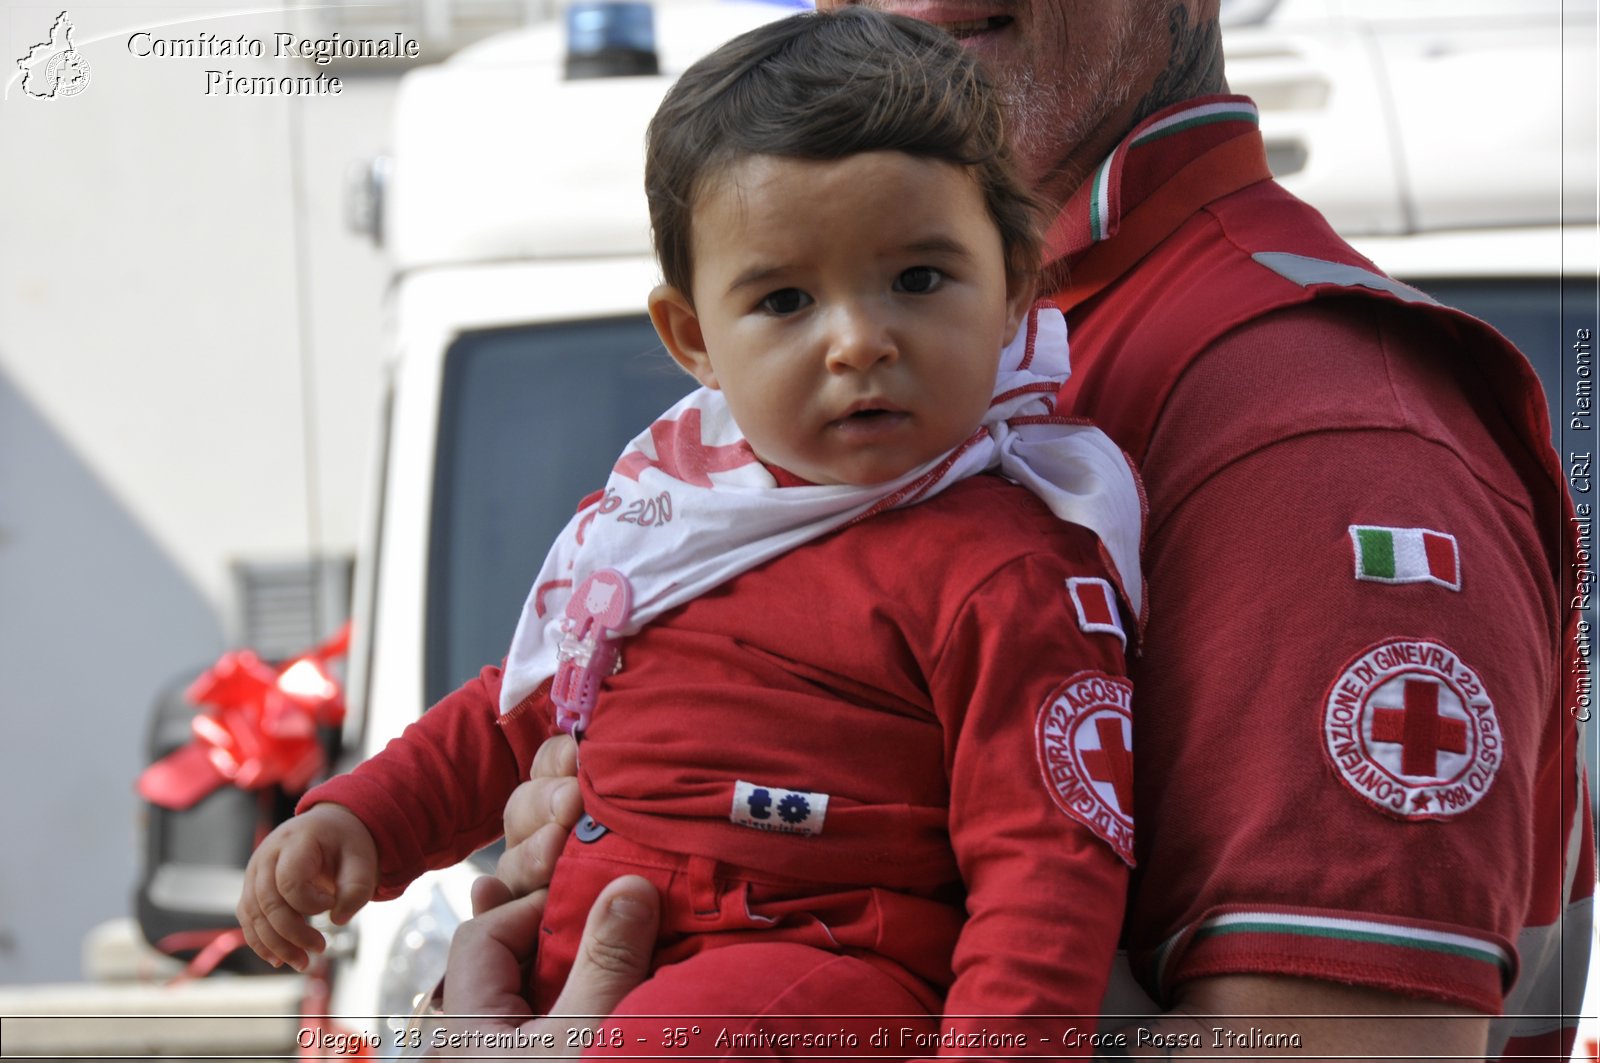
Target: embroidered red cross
column 1419, row 729
column 682, row 455
column 1112, row 763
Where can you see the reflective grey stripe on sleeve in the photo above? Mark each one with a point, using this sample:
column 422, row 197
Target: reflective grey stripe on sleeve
column 1575, row 834
column 1308, row 271
column 1555, row 963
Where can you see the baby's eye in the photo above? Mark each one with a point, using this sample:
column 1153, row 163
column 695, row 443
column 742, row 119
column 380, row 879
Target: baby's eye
column 919, row 279
column 785, row 301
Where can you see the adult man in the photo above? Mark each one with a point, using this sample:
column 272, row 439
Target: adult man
column 1357, row 790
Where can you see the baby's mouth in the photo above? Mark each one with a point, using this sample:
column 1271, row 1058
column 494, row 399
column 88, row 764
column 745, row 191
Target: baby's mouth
column 870, row 420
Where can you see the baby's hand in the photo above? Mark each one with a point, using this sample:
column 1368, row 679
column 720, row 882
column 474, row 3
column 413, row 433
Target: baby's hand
column 322, row 859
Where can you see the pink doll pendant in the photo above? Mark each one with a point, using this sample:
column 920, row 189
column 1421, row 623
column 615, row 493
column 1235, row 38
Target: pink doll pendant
column 590, row 646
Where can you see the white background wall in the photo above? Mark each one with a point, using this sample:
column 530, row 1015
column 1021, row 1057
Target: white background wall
column 154, row 421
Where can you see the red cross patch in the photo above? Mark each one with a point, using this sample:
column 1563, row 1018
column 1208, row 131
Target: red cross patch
column 1410, row 729
column 1085, row 747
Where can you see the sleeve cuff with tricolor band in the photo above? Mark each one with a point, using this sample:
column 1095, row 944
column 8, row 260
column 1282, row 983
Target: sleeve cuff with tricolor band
column 1433, row 961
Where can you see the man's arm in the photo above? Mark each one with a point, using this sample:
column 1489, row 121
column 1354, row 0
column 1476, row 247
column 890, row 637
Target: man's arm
column 1271, row 843
column 1248, row 1016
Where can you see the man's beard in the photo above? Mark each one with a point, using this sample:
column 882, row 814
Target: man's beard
column 1049, row 120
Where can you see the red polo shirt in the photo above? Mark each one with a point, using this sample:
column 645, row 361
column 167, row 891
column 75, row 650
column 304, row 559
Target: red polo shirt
column 1356, row 761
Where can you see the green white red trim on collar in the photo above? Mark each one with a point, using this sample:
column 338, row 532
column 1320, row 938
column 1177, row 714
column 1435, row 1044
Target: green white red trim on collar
column 1231, row 110
column 1093, row 212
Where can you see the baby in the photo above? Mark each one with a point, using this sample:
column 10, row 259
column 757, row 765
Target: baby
column 843, row 636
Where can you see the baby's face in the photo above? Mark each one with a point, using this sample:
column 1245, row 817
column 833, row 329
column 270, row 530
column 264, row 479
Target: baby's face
column 851, row 311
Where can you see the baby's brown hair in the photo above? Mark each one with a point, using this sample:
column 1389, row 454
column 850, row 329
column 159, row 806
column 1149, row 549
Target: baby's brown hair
column 824, row 86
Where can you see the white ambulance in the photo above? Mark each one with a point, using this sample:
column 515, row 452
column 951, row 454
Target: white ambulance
column 511, row 207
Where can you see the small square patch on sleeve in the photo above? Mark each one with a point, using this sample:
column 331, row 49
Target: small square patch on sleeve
column 1096, row 605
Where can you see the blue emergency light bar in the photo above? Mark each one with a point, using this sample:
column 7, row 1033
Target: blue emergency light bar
column 610, row 38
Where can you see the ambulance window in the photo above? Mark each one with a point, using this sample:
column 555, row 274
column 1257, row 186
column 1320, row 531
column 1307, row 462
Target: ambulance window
column 531, row 420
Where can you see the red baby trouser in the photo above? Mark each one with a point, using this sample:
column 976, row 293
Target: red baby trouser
column 746, row 968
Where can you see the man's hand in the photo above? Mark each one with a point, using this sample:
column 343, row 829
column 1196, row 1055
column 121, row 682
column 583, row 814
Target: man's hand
column 1246, row 1016
column 489, row 955
column 539, row 815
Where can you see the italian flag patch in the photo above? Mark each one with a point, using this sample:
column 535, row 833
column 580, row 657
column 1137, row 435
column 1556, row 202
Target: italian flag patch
column 1406, row 555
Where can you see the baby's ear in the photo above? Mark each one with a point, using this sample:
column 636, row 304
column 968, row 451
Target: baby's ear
column 679, row 328
column 1021, row 291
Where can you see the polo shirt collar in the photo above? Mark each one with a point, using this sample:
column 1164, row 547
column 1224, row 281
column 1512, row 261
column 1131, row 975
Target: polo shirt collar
column 1156, row 148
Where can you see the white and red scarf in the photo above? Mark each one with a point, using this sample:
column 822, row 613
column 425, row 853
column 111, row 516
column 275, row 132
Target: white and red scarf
column 688, row 506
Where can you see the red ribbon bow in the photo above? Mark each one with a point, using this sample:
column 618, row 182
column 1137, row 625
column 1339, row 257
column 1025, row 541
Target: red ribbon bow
column 259, row 727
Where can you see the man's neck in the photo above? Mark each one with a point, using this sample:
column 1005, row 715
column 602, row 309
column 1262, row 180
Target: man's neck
column 1194, row 66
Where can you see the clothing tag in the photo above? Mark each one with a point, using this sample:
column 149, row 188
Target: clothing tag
column 775, row 809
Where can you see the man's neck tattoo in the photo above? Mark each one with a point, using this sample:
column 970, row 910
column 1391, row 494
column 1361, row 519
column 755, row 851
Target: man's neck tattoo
column 1195, row 66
